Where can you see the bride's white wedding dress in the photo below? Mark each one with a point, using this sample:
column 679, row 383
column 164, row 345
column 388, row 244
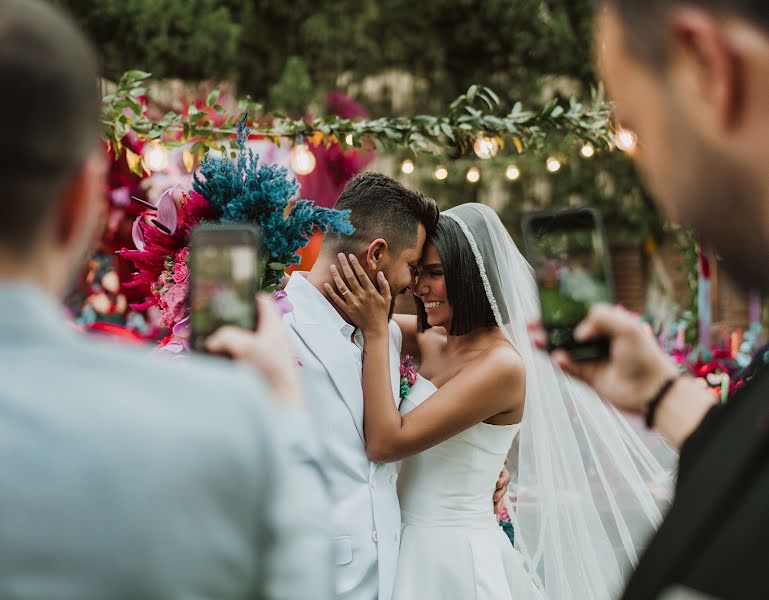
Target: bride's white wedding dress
column 451, row 545
column 590, row 487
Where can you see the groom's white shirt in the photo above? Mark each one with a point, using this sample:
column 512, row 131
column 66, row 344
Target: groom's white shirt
column 365, row 510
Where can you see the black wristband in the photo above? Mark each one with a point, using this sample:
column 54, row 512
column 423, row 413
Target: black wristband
column 651, row 406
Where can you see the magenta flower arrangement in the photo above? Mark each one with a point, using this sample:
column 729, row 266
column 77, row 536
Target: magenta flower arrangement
column 408, row 377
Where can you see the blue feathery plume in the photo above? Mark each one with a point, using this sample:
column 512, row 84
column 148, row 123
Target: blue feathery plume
column 241, row 191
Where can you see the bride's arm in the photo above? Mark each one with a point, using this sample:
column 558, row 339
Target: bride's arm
column 496, row 385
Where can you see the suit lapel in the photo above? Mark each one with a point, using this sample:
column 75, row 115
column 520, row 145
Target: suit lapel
column 395, row 372
column 340, row 367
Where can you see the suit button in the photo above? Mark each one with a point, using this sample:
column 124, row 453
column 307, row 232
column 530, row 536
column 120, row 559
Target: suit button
column 375, row 537
column 394, row 478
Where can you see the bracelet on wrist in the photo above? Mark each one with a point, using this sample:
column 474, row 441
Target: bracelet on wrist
column 653, row 404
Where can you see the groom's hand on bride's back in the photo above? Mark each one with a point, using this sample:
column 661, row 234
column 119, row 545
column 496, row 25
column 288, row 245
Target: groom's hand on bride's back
column 267, row 350
column 501, row 489
column 636, row 368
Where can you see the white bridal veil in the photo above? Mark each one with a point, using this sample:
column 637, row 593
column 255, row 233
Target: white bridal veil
column 591, row 485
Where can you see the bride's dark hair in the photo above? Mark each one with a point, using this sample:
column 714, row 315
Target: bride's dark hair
column 464, row 286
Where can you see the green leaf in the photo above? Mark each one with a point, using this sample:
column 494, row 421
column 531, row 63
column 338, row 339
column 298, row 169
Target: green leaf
column 218, row 108
column 492, row 94
column 448, row 132
column 557, row 112
column 276, row 266
column 392, row 135
column 487, row 100
column 136, row 75
column 213, row 97
column 471, row 92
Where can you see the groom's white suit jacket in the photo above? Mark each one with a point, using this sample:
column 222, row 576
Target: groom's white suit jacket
column 365, row 511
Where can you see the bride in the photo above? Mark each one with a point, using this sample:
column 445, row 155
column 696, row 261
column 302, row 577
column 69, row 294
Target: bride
column 589, row 487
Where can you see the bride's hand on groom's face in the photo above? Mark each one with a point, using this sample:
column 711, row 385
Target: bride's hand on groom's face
column 355, row 294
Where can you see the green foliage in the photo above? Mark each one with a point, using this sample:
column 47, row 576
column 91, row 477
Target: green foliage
column 511, row 46
column 293, row 91
column 526, row 50
column 469, row 116
column 187, row 39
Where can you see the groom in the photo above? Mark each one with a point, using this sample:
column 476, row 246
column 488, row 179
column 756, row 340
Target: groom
column 391, row 226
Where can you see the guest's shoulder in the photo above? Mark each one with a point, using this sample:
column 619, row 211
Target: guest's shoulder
column 195, row 379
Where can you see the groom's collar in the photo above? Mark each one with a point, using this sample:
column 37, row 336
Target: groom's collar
column 310, row 306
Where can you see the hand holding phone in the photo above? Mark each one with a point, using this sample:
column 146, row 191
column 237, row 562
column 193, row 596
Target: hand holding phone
column 224, row 274
column 268, row 350
column 570, row 257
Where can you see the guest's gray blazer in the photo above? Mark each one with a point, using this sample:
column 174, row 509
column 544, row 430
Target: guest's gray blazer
column 125, row 474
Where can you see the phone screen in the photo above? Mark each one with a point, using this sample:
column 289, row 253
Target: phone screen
column 570, row 259
column 224, row 282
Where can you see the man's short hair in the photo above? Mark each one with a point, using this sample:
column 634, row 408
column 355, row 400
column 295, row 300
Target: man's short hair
column 380, row 207
column 50, row 106
column 644, row 21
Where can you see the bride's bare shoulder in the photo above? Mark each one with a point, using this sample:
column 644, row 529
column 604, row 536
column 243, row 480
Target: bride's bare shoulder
column 501, row 361
column 431, row 341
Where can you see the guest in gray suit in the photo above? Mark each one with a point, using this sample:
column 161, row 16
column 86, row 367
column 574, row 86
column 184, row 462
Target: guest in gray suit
column 123, row 474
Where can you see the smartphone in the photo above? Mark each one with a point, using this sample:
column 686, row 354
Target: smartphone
column 224, row 276
column 570, row 256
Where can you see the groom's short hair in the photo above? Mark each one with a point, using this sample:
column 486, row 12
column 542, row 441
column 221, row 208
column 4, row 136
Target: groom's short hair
column 50, row 104
column 380, row 207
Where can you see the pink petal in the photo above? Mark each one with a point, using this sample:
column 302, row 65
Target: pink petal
column 167, row 213
column 137, row 235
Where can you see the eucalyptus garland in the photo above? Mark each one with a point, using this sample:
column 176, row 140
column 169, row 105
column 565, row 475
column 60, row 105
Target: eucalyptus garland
column 473, row 114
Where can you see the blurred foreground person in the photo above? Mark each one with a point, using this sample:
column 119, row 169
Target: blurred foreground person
column 122, row 474
column 691, row 78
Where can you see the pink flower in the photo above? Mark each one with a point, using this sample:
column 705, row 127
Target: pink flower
column 182, row 255
column 181, row 273
column 408, row 372
column 282, row 302
column 175, row 300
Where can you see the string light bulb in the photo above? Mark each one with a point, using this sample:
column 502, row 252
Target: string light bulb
column 441, row 173
column 473, row 175
column 587, row 151
column 485, row 147
column 156, row 157
column 626, row 140
column 302, row 160
column 512, row 172
column 408, row 166
column 553, row 164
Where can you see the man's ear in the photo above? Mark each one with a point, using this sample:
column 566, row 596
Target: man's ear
column 82, row 202
column 712, row 67
column 377, row 254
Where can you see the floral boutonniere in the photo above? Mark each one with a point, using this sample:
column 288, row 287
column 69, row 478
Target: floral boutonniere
column 408, row 377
